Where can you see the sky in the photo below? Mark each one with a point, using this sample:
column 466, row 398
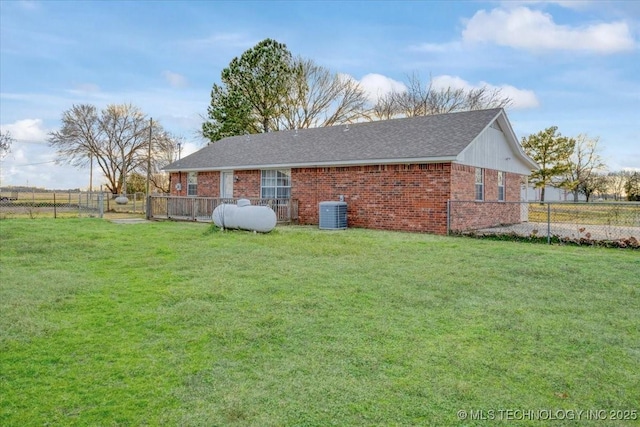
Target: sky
column 570, row 64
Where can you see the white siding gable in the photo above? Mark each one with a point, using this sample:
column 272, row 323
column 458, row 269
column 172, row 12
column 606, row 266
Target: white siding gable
column 492, row 149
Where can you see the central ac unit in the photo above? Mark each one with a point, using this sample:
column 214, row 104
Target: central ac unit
column 333, row 215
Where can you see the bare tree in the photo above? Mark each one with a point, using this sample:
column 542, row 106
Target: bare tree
column 5, row 143
column 116, row 137
column 596, row 184
column 616, row 182
column 422, row 99
column 164, row 149
column 385, row 108
column 319, row 98
column 486, row 97
column 584, row 164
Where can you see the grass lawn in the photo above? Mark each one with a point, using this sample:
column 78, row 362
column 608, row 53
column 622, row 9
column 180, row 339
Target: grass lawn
column 176, row 324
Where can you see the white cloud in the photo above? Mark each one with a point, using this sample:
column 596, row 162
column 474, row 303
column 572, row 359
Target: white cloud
column 436, row 47
column 376, row 85
column 521, row 98
column 174, row 79
column 523, row 28
column 31, row 160
column 30, row 130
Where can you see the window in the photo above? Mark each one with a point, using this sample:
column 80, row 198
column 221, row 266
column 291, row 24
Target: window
column 500, row 186
column 192, row 184
column 479, row 184
column 275, row 184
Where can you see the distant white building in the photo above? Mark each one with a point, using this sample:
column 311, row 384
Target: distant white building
column 530, row 193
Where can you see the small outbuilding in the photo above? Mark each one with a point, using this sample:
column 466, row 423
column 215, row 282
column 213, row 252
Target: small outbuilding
column 394, row 174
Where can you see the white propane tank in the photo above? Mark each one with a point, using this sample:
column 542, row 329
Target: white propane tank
column 244, row 216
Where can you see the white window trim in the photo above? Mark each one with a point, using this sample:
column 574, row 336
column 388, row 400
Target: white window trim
column 476, row 184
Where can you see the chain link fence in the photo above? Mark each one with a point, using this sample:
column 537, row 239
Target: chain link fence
column 38, row 203
column 603, row 223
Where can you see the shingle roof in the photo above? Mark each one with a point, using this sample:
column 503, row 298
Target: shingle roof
column 441, row 136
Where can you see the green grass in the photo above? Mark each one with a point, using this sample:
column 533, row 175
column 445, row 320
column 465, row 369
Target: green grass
column 179, row 324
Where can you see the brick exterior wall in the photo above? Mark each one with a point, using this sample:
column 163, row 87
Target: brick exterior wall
column 403, row 197
column 178, row 177
column 390, row 197
column 208, row 184
column 463, row 185
column 466, row 214
column 247, row 185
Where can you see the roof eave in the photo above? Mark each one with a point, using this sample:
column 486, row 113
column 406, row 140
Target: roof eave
column 368, row 162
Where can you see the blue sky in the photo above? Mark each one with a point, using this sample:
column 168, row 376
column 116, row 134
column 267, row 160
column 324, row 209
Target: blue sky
column 572, row 64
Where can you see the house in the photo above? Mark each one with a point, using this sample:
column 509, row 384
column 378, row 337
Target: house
column 394, row 174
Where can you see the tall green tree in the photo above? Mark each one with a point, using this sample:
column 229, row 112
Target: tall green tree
column 552, row 152
column 254, row 88
column 229, row 115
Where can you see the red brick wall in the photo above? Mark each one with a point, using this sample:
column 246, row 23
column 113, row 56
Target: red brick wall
column 469, row 215
column 463, row 184
column 178, row 177
column 392, row 197
column 247, row 184
column 208, row 184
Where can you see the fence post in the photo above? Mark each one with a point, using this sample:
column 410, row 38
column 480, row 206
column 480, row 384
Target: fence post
column 55, row 212
column 101, row 204
column 448, row 216
column 548, row 223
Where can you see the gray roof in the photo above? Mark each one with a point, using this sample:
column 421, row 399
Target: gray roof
column 430, row 138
